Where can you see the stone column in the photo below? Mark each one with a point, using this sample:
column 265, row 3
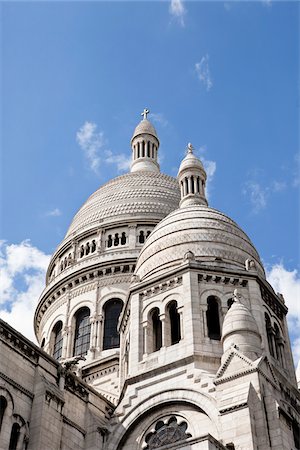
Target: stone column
column 132, row 235
column 145, row 338
column 99, row 243
column 162, row 318
column 190, row 185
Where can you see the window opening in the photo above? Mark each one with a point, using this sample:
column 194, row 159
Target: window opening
column 123, row 239
column 14, row 436
column 87, row 248
column 269, row 334
column 212, row 318
column 141, row 237
column 156, row 330
column 148, row 233
column 81, row 251
column 116, row 240
column 3, row 405
column 109, row 241
column 58, row 340
column 112, row 311
column 230, row 302
column 175, row 323
column 82, row 332
column 166, row 433
column 93, row 249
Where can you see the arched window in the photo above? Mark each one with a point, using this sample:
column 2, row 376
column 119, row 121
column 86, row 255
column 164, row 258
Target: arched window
column 93, row 249
column 186, row 185
column 109, row 241
column 148, row 233
column 141, row 237
column 279, row 345
column 112, row 310
column 123, row 239
column 3, row 405
column 198, row 185
column 57, row 340
column 143, row 149
column 167, row 432
column 148, row 149
column 269, row 334
column 212, row 318
column 14, row 436
column 43, row 343
column 156, row 330
column 82, row 332
column 81, row 251
column 116, row 240
column 87, row 248
column 174, row 322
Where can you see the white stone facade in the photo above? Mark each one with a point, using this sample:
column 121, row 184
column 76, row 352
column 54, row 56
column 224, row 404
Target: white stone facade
column 167, row 334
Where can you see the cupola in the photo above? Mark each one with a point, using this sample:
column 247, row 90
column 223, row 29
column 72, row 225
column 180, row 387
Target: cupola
column 192, row 180
column 240, row 329
column 144, row 144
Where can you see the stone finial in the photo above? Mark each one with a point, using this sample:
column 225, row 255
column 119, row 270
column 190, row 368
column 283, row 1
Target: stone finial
column 189, row 256
column 145, row 113
column 190, row 148
column 236, row 296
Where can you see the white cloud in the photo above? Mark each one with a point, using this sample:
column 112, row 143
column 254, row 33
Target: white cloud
column 22, row 278
column 53, row 212
column 177, row 11
column 203, row 72
column 288, row 283
column 91, row 141
column 122, row 161
column 258, row 194
column 159, row 118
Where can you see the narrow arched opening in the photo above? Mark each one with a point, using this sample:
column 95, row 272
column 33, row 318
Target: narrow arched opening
column 57, row 340
column 213, row 318
column 269, row 332
column 174, row 318
column 82, row 332
column 3, row 406
column 14, row 436
column 112, row 310
column 156, row 329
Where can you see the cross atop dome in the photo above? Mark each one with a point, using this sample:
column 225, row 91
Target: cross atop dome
column 145, row 113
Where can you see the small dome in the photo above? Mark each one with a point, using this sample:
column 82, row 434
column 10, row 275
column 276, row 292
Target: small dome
column 190, row 162
column 206, row 232
column 240, row 329
column 144, row 127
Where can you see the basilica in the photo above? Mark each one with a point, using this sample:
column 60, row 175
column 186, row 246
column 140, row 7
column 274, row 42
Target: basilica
column 157, row 328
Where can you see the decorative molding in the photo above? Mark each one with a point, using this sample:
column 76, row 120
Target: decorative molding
column 18, row 343
column 218, row 279
column 233, row 408
column 16, row 385
column 73, row 385
column 161, row 287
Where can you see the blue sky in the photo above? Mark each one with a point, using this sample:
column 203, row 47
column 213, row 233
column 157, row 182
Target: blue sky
column 222, row 75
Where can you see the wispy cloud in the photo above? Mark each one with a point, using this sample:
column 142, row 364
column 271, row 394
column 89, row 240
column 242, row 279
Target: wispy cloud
column 94, row 145
column 178, row 11
column 287, row 282
column 203, row 72
column 159, row 118
column 121, row 160
column 22, row 278
column 53, row 213
column 258, row 193
column 267, row 3
column 91, row 141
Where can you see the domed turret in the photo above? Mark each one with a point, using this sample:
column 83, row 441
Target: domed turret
column 240, row 329
column 192, row 179
column 144, row 144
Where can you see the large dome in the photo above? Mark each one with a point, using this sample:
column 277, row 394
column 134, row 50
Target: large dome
column 148, row 194
column 206, row 232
